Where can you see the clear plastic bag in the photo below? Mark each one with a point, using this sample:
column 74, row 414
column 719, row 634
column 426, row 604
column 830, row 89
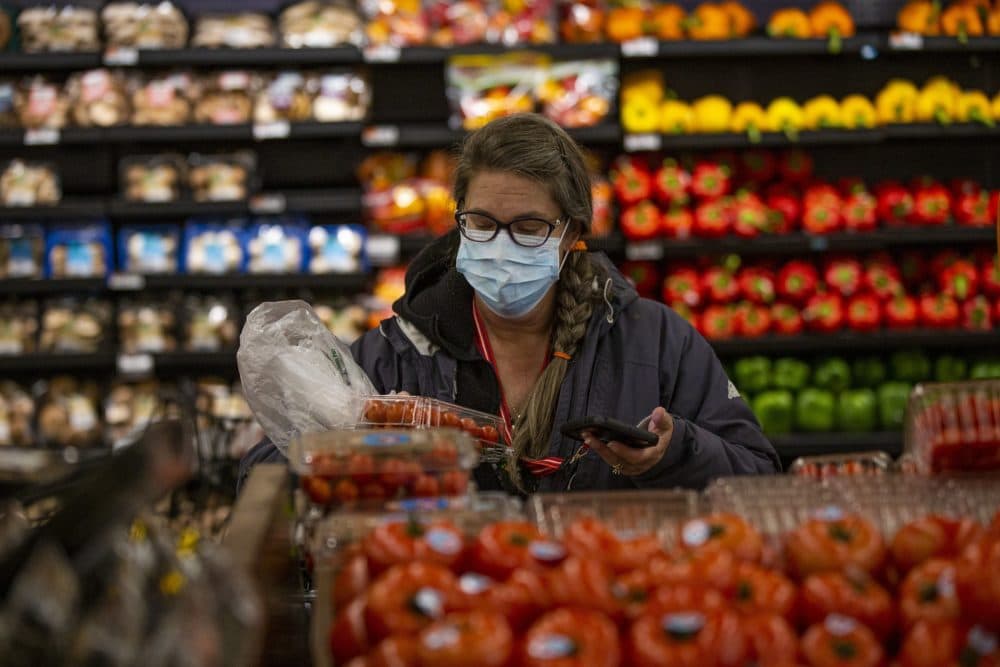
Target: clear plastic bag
column 298, row 377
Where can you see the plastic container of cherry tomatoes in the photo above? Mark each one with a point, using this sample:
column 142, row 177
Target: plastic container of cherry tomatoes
column 395, row 411
column 954, row 427
column 834, row 465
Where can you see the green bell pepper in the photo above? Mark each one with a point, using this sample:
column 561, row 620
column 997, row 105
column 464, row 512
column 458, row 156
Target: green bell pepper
column 833, row 373
column 868, row 372
column 752, row 375
column 792, row 374
column 910, row 366
column 892, row 400
column 815, row 410
column 775, row 411
column 949, row 368
column 857, row 410
column 985, row 369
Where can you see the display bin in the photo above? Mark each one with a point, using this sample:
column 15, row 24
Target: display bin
column 402, row 411
column 872, row 464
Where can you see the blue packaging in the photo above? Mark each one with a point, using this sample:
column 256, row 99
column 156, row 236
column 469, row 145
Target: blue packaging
column 79, row 251
column 22, row 251
column 214, row 246
column 337, row 249
column 149, row 249
column 277, row 245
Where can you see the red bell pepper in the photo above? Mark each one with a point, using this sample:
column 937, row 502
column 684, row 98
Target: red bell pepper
column 717, row 322
column 939, row 311
column 989, row 277
column 641, row 222
column 844, row 276
column 683, row 286
column 710, row 180
column 883, row 280
column 672, row 184
column 720, row 285
column 912, row 268
column 864, row 313
column 643, row 275
column 931, row 204
column 821, row 218
column 758, row 166
column 750, row 216
column 860, row 212
column 786, row 319
column 941, row 260
column 824, row 312
column 821, row 193
column 977, row 314
column 795, row 166
column 752, row 320
column 901, row 312
column 973, row 209
column 850, row 185
column 712, row 219
column 894, row 203
column 797, row 281
column 787, row 211
column 964, row 186
column 757, row 285
column 677, row 223
column 960, row 280
column 632, row 183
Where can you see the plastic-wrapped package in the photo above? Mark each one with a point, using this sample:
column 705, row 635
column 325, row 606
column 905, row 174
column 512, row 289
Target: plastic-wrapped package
column 482, row 88
column 337, row 249
column 582, row 21
column 513, row 22
column 98, row 97
column 152, row 178
column 222, row 177
column 394, row 22
column 17, row 412
column 8, row 110
column 345, row 320
column 79, row 251
column 162, row 99
column 315, row 24
column 341, row 96
column 602, row 223
column 148, row 326
column 396, row 412
column 130, row 406
column 68, row 414
column 75, row 326
column 954, row 427
column 457, row 23
column 67, row 28
column 29, row 184
column 41, row 103
column 277, row 245
column 210, row 323
column 22, row 251
column 226, row 98
column 18, row 327
column 579, row 93
column 285, row 97
column 149, row 249
column 213, row 247
column 144, row 25
column 298, row 377
column 245, row 30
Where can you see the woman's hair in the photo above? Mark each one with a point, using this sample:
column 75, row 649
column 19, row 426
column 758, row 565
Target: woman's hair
column 534, row 147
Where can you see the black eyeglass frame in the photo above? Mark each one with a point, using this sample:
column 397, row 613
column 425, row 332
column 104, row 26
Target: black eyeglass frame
column 558, row 222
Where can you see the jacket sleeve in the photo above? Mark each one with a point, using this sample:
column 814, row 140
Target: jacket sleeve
column 715, row 432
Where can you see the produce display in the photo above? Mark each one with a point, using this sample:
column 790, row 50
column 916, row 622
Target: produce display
column 408, row 193
column 47, row 27
column 22, row 251
column 955, row 426
column 159, row 25
column 246, row 30
column 29, row 184
column 319, row 24
column 958, row 19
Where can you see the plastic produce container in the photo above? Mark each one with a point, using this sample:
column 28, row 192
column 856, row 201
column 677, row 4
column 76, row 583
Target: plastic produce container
column 418, row 412
column 835, row 465
column 954, row 427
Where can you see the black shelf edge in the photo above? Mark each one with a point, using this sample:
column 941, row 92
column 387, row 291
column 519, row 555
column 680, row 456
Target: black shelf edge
column 330, row 200
column 790, row 446
column 80, row 207
column 342, row 55
column 846, row 341
column 645, row 142
column 934, row 131
column 759, row 46
column 335, row 281
column 238, row 132
column 433, row 55
column 32, row 62
column 66, row 135
column 909, row 44
column 28, row 286
column 38, row 362
column 437, row 135
column 195, row 361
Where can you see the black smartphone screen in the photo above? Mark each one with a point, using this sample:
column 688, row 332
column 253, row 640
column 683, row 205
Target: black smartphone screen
column 607, row 429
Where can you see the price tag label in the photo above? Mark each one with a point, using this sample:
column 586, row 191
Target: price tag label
column 647, row 250
column 44, row 136
column 643, row 142
column 382, row 53
column 643, row 47
column 380, row 136
column 819, row 244
column 279, row 129
column 906, row 41
column 135, row 364
column 383, row 249
column 268, row 204
column 126, row 282
column 121, row 56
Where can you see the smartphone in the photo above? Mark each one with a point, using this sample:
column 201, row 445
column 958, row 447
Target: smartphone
column 607, row 429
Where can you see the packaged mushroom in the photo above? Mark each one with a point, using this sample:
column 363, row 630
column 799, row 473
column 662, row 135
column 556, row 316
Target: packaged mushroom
column 246, row 30
column 29, row 184
column 162, row 100
column 341, row 96
column 79, row 251
column 98, row 98
column 152, row 178
column 285, row 97
column 129, row 407
column 210, row 323
column 141, row 25
column 227, row 177
column 66, row 28
column 226, row 98
column 73, row 326
column 147, row 326
column 149, row 249
column 336, row 249
column 17, row 411
column 8, row 111
column 215, row 248
column 18, row 327
column 41, row 104
column 68, row 416
column 22, row 251
column 320, row 25
column 277, row 246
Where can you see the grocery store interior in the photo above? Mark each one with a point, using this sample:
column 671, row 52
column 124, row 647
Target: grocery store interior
column 813, row 185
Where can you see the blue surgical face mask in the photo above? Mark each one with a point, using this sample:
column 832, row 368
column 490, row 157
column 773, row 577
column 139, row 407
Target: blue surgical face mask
column 510, row 279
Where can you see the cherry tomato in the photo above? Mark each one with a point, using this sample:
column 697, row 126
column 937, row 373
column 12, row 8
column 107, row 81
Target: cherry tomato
column 715, row 568
column 932, row 536
column 977, row 580
column 407, row 598
column 425, row 486
column 375, row 412
column 760, row 590
column 373, row 491
column 688, row 639
column 396, row 651
column 348, row 636
column 841, row 642
column 361, row 468
column 395, row 542
column 395, row 474
column 771, row 640
column 326, row 466
column 928, row 593
column 588, row 584
column 949, row 644
column 590, row 538
column 351, row 578
column 722, row 531
column 470, row 426
column 318, row 489
column 434, row 416
column 394, row 413
column 454, row 482
column 834, row 542
column 567, row 637
column 450, row 420
column 345, row 491
column 853, row 595
column 443, row 455
column 466, row 638
column 504, row 546
column 682, row 598
column 490, row 434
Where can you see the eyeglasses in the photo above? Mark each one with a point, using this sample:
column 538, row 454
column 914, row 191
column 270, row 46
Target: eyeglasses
column 527, row 232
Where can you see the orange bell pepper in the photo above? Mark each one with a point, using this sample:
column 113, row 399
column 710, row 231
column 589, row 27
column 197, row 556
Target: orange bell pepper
column 741, row 20
column 667, row 21
column 920, row 16
column 830, row 20
column 625, row 23
column 709, row 21
column 962, row 21
column 791, row 22
column 993, row 22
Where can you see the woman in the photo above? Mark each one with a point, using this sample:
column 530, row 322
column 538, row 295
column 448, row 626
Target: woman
column 510, row 315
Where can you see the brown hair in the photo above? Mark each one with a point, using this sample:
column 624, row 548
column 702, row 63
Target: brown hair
column 534, row 147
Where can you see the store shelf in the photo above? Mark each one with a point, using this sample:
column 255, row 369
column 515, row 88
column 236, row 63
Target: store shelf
column 655, row 142
column 749, row 47
column 143, row 134
column 280, row 57
column 37, row 62
column 793, row 445
column 435, row 135
column 432, row 55
column 848, row 341
column 910, row 43
column 29, row 287
column 70, row 207
column 195, row 361
column 345, row 282
column 331, row 200
column 98, row 362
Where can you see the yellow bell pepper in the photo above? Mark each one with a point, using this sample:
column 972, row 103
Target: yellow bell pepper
column 712, row 113
column 821, row 112
column 974, row 107
column 749, row 118
column 943, row 83
column 935, row 104
column 895, row 102
column 995, row 106
column 676, row 117
column 647, row 84
column 785, row 115
column 640, row 115
column 857, row 112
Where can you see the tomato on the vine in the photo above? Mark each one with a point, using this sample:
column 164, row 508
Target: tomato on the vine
column 395, row 542
column 476, row 637
column 834, row 541
column 505, row 546
column 977, row 580
column 854, row 595
column 688, row 639
column 520, row 599
column 408, row 597
column 568, row 637
column 682, row 598
column 761, row 590
column 590, row 538
column 928, row 593
column 632, row 590
column 932, row 536
column 841, row 642
column 722, row 530
column 772, row 641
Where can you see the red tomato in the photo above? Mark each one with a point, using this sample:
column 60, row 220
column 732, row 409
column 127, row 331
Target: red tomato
column 722, row 530
column 841, row 642
column 994, row 529
column 977, row 580
column 771, row 640
column 396, row 542
column 932, row 536
column 521, row 599
column 451, row 420
column 949, row 644
column 855, row 596
column 395, row 474
column 760, row 590
column 348, row 636
column 360, row 661
column 590, row 538
column 682, row 598
column 396, row 651
column 351, row 578
column 407, row 598
column 504, row 546
column 928, row 593
column 633, row 590
column 425, row 486
column 834, row 541
column 588, row 584
column 466, row 638
column 454, row 482
column 361, row 468
column 688, row 639
column 490, row 434
column 374, row 412
column 567, row 637
column 318, row 489
column 713, row 568
column 345, row 491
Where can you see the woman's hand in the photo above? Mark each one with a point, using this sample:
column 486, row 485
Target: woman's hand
column 627, row 461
